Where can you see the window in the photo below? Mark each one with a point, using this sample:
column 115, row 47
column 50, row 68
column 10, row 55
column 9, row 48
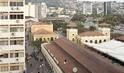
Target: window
column 19, row 16
column 16, row 42
column 12, row 68
column 19, row 3
column 16, row 3
column 86, row 41
column 48, row 39
column 51, row 38
column 4, row 55
column 104, row 40
column 16, row 16
column 11, row 55
column 100, row 41
column 16, row 54
column 12, row 16
column 3, row 3
column 3, row 17
column 16, row 29
column 5, row 42
column 95, row 41
column 91, row 41
column 12, row 3
column 4, row 68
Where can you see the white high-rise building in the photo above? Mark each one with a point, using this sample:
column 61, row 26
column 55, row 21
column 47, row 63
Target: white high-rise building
column 43, row 10
column 30, row 10
column 37, row 10
column 87, row 7
column 12, row 36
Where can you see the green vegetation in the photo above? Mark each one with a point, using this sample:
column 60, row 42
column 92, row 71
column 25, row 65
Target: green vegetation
column 79, row 17
column 37, row 43
column 59, row 26
column 110, row 19
column 92, row 28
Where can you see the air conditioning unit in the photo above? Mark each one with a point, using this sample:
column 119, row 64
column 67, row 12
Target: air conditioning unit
column 12, row 8
column 17, row 8
column 13, row 34
column 17, row 59
column 17, row 21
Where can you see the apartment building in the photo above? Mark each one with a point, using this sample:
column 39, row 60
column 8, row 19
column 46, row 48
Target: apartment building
column 12, row 36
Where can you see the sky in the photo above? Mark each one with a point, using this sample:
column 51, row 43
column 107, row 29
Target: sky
column 103, row 0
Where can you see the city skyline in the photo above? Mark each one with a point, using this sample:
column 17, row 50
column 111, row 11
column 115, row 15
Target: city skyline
column 103, row 0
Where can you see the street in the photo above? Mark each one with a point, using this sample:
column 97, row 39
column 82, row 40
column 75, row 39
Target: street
column 35, row 61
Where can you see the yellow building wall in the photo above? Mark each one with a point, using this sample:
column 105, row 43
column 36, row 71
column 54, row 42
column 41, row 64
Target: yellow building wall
column 46, row 38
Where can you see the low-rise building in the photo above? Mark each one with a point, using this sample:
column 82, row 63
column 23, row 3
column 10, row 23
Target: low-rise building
column 66, row 57
column 98, row 36
column 43, row 31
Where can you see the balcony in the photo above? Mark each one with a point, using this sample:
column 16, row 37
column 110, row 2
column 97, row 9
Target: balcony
column 4, row 35
column 11, row 47
column 12, row 60
column 4, row 8
column 17, row 9
column 17, row 21
column 17, row 34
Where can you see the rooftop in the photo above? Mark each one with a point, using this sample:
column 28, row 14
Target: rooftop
column 77, row 56
column 91, row 33
column 121, row 38
column 112, row 48
column 42, row 32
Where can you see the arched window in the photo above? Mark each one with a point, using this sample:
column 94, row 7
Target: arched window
column 51, row 38
column 95, row 41
column 91, row 41
column 104, row 40
column 86, row 41
column 100, row 41
column 48, row 39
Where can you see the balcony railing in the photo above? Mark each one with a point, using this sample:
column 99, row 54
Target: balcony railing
column 15, row 21
column 17, row 34
column 12, row 60
column 11, row 47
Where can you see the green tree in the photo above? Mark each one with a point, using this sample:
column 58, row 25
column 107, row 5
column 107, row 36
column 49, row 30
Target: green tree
column 37, row 43
column 79, row 17
column 92, row 28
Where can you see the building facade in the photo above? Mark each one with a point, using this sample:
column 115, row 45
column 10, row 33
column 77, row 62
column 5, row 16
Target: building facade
column 96, row 37
column 107, row 8
column 12, row 36
column 30, row 10
column 44, row 32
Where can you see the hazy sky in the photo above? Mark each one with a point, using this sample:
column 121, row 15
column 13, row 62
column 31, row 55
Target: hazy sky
column 103, row 0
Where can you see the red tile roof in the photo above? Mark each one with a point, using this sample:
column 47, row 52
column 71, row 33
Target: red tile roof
column 91, row 33
column 121, row 38
column 85, row 60
column 42, row 32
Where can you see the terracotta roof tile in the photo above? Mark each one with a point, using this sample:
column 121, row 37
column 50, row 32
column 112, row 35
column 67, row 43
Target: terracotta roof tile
column 91, row 33
column 85, row 60
column 42, row 31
